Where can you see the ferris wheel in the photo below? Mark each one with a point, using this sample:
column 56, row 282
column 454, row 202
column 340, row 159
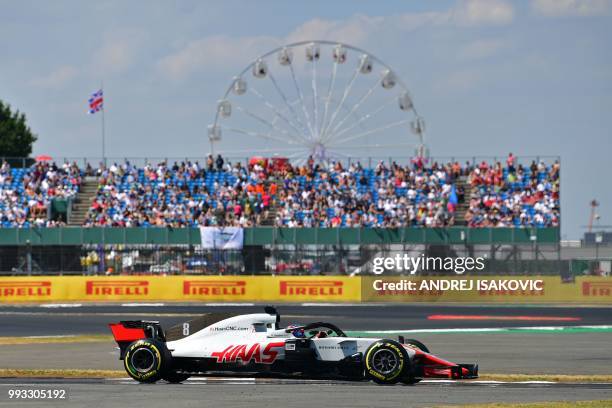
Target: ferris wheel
column 320, row 99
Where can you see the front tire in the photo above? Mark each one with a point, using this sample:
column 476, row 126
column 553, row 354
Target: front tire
column 417, row 344
column 146, row 360
column 386, row 362
column 410, row 379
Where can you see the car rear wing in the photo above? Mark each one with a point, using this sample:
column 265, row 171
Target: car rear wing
column 129, row 331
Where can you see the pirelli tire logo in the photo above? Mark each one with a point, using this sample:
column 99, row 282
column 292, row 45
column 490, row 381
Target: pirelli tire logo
column 24, row 289
column 214, row 288
column 597, row 289
column 116, row 288
column 314, row 288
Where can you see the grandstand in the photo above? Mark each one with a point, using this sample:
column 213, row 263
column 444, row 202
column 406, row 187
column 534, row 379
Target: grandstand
column 262, row 192
column 26, row 194
column 144, row 216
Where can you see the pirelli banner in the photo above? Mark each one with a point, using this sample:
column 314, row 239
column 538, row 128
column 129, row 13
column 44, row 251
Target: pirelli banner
column 499, row 289
column 180, row 289
column 487, row 289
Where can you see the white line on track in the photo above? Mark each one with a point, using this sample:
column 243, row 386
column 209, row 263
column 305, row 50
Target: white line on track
column 256, row 381
column 438, row 381
column 50, row 385
column 97, row 314
column 60, row 305
column 334, row 304
column 202, row 380
column 143, row 304
column 486, row 329
column 59, row 336
column 250, row 380
column 227, row 304
column 434, row 330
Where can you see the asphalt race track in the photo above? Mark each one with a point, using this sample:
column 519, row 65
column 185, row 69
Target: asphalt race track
column 537, row 352
column 532, row 351
column 87, row 319
column 576, row 353
column 276, row 393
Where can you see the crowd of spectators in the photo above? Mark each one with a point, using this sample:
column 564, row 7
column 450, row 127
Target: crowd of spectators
column 25, row 194
column 422, row 193
column 384, row 196
column 310, row 195
column 179, row 195
column 514, row 195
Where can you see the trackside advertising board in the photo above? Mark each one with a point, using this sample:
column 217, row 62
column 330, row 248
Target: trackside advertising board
column 584, row 290
column 488, row 289
column 180, row 288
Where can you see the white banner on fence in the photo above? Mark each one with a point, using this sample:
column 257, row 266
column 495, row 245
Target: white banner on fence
column 221, row 238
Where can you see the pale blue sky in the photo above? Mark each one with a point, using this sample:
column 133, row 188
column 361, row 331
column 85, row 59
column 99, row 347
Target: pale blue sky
column 489, row 77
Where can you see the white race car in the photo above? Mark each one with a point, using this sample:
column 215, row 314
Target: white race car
column 255, row 345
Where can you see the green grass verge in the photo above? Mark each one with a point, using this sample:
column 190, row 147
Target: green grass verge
column 546, row 377
column 60, row 373
column 548, row 404
column 492, row 330
column 89, row 338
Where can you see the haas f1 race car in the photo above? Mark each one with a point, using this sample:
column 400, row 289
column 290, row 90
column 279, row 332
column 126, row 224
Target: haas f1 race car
column 254, row 344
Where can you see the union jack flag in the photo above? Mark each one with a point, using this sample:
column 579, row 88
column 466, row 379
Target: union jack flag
column 96, row 102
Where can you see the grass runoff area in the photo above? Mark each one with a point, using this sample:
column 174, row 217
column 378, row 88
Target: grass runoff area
column 549, row 404
column 82, row 373
column 90, row 338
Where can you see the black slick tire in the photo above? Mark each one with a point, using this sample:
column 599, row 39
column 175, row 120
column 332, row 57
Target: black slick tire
column 386, row 362
column 146, row 360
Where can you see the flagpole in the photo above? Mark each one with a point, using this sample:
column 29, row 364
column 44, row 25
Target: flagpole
column 103, row 128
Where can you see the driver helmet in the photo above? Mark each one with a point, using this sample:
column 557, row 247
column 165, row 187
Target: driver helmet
column 296, row 330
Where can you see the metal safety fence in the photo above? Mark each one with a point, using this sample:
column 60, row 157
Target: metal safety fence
column 291, row 259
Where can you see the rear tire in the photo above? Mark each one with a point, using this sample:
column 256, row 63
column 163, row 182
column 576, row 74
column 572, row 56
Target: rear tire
column 146, row 360
column 386, row 362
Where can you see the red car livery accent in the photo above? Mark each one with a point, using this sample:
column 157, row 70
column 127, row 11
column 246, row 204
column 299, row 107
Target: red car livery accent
column 246, row 353
column 122, row 333
column 436, row 367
